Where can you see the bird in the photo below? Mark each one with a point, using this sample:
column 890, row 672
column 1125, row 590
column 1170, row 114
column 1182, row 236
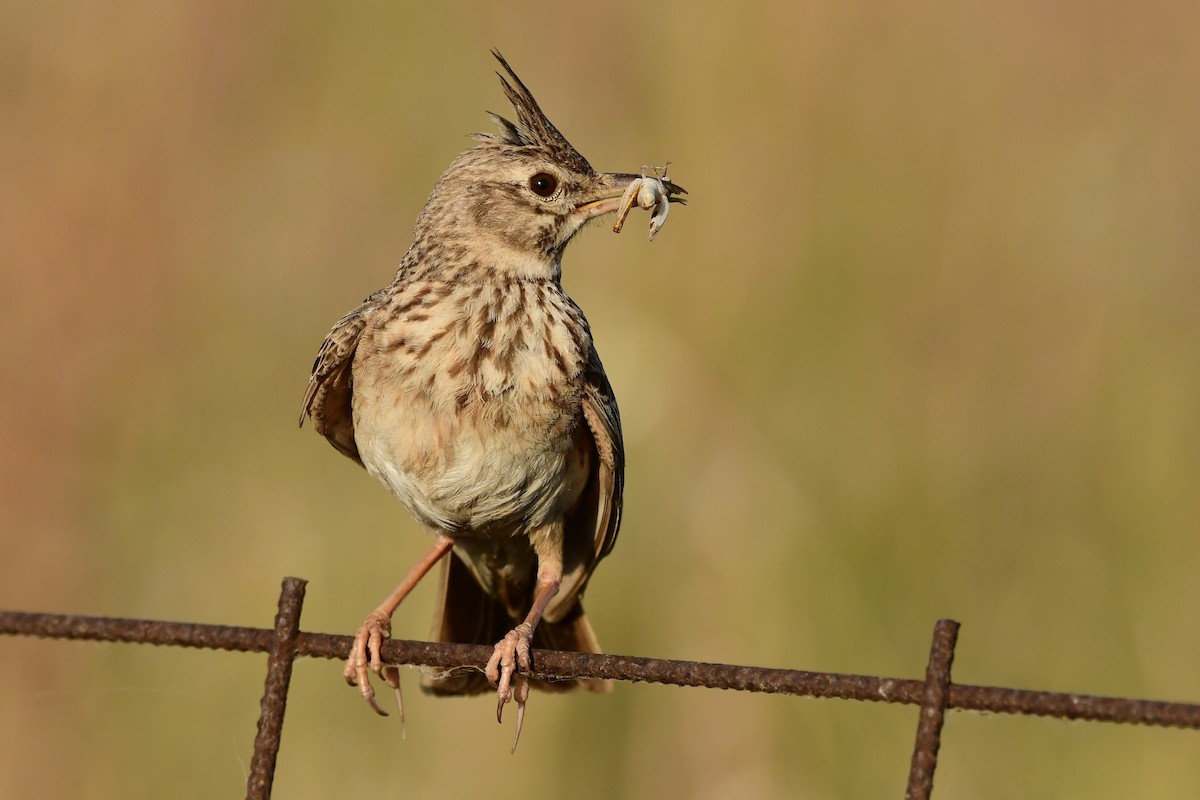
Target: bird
column 470, row 386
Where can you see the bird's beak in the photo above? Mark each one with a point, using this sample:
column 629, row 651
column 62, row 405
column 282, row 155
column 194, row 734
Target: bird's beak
column 605, row 195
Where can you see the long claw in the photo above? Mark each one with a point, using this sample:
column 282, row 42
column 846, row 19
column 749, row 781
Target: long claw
column 391, row 676
column 520, row 722
column 521, row 695
column 368, row 692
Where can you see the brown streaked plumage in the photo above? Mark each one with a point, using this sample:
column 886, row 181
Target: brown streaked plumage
column 471, row 388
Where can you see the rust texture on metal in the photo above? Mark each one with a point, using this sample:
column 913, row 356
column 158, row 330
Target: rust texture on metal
column 933, row 711
column 554, row 665
column 274, row 699
column 137, row 631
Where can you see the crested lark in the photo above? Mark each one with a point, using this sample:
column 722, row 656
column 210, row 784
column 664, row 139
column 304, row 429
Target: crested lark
column 470, row 386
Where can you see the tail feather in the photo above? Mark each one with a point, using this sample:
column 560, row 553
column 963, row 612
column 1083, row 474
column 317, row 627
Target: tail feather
column 468, row 615
column 573, row 633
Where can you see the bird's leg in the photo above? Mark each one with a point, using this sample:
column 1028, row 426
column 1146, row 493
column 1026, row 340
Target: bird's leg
column 512, row 652
column 364, row 652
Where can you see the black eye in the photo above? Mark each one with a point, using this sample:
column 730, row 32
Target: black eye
column 543, row 184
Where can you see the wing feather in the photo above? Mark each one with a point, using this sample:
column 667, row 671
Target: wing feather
column 590, row 530
column 327, row 401
column 604, row 421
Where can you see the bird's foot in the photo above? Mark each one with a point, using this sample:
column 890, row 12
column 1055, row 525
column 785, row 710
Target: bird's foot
column 365, row 655
column 511, row 654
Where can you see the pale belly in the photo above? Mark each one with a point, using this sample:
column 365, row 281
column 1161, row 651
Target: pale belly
column 464, row 470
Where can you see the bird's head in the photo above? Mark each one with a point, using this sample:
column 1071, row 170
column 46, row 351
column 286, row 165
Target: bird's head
column 519, row 195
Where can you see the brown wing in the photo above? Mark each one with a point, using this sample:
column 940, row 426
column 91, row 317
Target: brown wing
column 327, row 400
column 604, row 420
column 591, row 529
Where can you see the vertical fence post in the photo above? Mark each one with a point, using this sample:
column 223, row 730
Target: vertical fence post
column 933, row 711
column 274, row 699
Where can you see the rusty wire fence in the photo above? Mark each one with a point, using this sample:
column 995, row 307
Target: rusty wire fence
column 283, row 643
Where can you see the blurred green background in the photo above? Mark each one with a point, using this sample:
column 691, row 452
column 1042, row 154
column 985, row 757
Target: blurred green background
column 925, row 343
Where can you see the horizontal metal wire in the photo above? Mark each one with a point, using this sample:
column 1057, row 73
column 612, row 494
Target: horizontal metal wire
column 550, row 664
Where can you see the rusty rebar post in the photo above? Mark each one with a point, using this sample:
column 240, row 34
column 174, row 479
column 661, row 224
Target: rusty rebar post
column 274, row 699
column 933, row 711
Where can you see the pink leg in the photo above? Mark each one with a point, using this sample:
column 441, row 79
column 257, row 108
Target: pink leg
column 513, row 651
column 378, row 626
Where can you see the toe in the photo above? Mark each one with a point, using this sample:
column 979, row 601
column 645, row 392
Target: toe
column 374, row 645
column 503, row 689
column 524, row 637
column 368, row 692
column 499, row 671
column 364, row 656
column 492, row 670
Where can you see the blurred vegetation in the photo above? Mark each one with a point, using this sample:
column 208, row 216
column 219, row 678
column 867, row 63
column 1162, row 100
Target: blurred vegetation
column 923, row 344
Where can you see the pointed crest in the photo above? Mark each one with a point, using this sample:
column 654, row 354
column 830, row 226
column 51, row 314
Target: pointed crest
column 532, row 128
